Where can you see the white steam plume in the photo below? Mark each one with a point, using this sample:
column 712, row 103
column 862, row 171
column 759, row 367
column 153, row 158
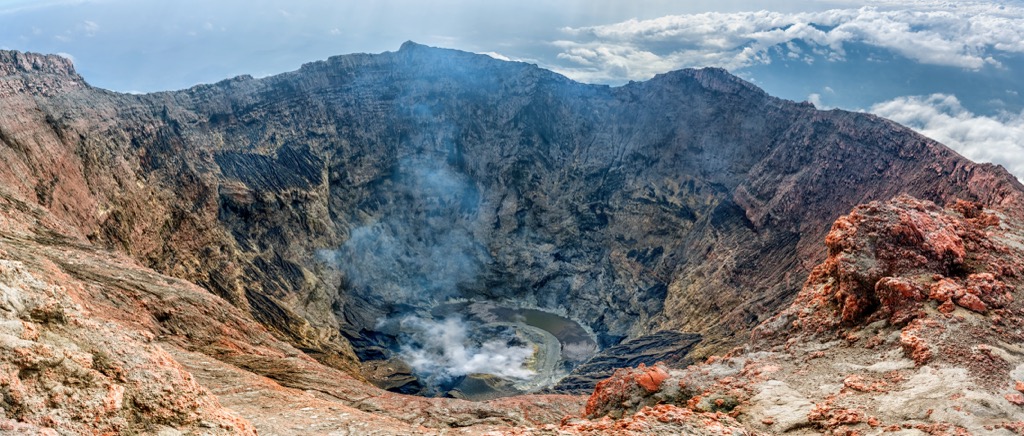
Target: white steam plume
column 443, row 350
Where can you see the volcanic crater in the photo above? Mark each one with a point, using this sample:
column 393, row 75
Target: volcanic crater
column 444, row 224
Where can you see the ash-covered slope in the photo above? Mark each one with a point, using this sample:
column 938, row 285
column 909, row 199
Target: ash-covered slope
column 354, row 189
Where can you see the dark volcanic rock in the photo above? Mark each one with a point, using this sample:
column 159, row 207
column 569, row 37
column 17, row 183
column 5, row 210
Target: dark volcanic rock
column 323, row 200
column 668, row 347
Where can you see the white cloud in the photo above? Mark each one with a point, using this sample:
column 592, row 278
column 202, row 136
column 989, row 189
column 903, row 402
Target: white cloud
column 15, row 6
column 964, row 35
column 497, row 56
column 85, row 28
column 941, row 117
column 822, row 100
column 89, row 28
column 67, row 56
column 815, row 99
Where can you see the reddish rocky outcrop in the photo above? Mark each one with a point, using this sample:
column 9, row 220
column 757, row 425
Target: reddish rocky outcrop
column 65, row 371
column 886, row 260
column 625, row 391
column 909, row 324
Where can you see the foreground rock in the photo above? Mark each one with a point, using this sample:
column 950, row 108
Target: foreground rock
column 881, row 339
column 64, row 370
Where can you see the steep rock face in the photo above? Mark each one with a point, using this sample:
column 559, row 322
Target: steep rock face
column 34, row 74
column 326, row 199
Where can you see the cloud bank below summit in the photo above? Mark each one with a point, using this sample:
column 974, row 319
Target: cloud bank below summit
column 997, row 139
column 982, row 37
column 970, row 35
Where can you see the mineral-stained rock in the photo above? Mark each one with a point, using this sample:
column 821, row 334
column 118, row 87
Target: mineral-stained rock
column 886, row 260
column 1016, row 399
column 62, row 372
column 663, row 419
column 627, row 390
column 914, row 341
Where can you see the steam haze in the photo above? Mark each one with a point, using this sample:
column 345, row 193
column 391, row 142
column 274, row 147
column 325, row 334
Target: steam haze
column 442, row 350
column 423, row 248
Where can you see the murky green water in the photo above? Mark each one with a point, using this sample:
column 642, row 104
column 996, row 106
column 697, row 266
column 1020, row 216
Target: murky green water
column 564, row 329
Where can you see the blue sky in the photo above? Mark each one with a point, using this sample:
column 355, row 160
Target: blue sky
column 951, row 70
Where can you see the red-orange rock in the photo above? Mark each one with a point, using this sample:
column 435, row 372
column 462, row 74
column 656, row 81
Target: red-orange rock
column 887, row 260
column 856, row 383
column 877, row 255
column 627, row 390
column 947, row 306
column 914, row 345
column 945, row 289
column 1017, row 399
column 652, row 379
column 993, row 292
column 972, row 302
column 900, row 296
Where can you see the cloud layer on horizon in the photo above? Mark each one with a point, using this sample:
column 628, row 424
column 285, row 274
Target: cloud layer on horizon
column 969, row 35
column 998, row 139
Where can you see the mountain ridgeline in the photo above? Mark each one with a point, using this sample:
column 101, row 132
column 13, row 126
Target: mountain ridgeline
column 365, row 188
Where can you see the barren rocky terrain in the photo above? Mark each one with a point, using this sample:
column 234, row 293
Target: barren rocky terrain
column 229, row 258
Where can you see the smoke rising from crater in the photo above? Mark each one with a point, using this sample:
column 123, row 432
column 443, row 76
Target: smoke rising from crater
column 442, row 350
column 421, row 250
column 422, row 246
